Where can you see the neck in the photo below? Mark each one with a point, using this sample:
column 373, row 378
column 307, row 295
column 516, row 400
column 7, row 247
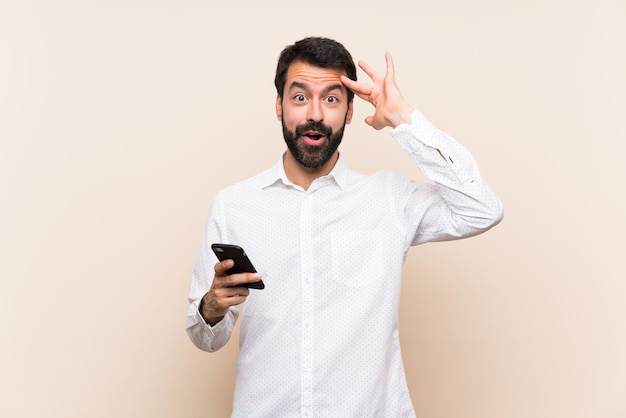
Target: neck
column 304, row 176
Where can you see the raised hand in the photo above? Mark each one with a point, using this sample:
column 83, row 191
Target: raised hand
column 390, row 107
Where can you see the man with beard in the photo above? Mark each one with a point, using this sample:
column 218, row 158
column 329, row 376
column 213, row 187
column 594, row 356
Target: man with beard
column 322, row 338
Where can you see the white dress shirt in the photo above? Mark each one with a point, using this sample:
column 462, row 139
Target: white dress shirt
column 321, row 340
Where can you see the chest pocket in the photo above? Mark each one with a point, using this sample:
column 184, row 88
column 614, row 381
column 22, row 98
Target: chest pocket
column 358, row 257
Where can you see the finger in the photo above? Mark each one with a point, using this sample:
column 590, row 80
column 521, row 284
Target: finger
column 391, row 70
column 369, row 70
column 241, row 279
column 356, row 87
column 227, row 293
column 236, row 300
column 221, row 267
column 372, row 122
column 364, row 96
column 225, row 297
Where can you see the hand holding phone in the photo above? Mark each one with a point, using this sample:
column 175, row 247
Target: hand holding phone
column 242, row 262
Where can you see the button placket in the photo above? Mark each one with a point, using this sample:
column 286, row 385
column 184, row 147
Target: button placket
column 306, row 256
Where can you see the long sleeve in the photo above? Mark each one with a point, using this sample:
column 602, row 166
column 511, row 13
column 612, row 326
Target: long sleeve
column 204, row 336
column 460, row 203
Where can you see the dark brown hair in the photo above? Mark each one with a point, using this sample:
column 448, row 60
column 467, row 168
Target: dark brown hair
column 317, row 51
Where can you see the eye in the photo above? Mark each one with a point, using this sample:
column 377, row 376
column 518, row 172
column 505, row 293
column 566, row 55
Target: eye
column 332, row 99
column 299, row 97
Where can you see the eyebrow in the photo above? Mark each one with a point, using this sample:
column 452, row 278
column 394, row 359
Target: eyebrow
column 304, row 86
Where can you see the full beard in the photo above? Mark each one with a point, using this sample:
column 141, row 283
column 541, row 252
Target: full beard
column 312, row 156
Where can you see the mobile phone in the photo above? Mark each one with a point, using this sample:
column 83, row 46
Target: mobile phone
column 242, row 262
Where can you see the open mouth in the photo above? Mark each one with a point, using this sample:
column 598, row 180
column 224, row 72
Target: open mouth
column 313, row 138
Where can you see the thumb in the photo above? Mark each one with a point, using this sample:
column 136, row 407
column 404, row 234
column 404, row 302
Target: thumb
column 372, row 122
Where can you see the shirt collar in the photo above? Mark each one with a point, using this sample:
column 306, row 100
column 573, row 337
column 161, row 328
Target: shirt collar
column 339, row 174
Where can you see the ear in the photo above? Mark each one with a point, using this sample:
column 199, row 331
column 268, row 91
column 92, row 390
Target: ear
column 349, row 113
column 279, row 108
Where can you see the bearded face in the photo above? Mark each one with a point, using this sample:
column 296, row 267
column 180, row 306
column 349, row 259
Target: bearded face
column 314, row 111
column 313, row 143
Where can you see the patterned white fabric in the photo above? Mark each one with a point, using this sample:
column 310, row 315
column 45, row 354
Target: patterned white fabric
column 321, row 340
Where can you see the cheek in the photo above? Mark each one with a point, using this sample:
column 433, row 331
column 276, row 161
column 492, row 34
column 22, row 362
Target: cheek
column 337, row 121
column 291, row 117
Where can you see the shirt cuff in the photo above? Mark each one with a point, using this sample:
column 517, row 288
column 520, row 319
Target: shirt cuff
column 434, row 151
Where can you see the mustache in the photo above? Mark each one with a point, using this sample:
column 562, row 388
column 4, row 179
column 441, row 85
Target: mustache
column 314, row 126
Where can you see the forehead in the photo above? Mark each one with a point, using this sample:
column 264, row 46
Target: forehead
column 310, row 74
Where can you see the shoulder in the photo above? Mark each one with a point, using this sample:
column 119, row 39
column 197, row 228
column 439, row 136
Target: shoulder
column 248, row 187
column 382, row 178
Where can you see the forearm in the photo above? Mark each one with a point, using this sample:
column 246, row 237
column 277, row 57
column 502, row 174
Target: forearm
column 213, row 335
column 461, row 203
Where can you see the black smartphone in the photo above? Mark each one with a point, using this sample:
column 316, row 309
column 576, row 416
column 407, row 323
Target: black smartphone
column 242, row 262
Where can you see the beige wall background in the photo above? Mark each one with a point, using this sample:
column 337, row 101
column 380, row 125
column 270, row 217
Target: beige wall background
column 120, row 120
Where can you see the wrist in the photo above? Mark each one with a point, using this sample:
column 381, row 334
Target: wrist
column 209, row 320
column 402, row 115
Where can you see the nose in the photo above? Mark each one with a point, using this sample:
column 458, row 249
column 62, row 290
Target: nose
column 315, row 111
